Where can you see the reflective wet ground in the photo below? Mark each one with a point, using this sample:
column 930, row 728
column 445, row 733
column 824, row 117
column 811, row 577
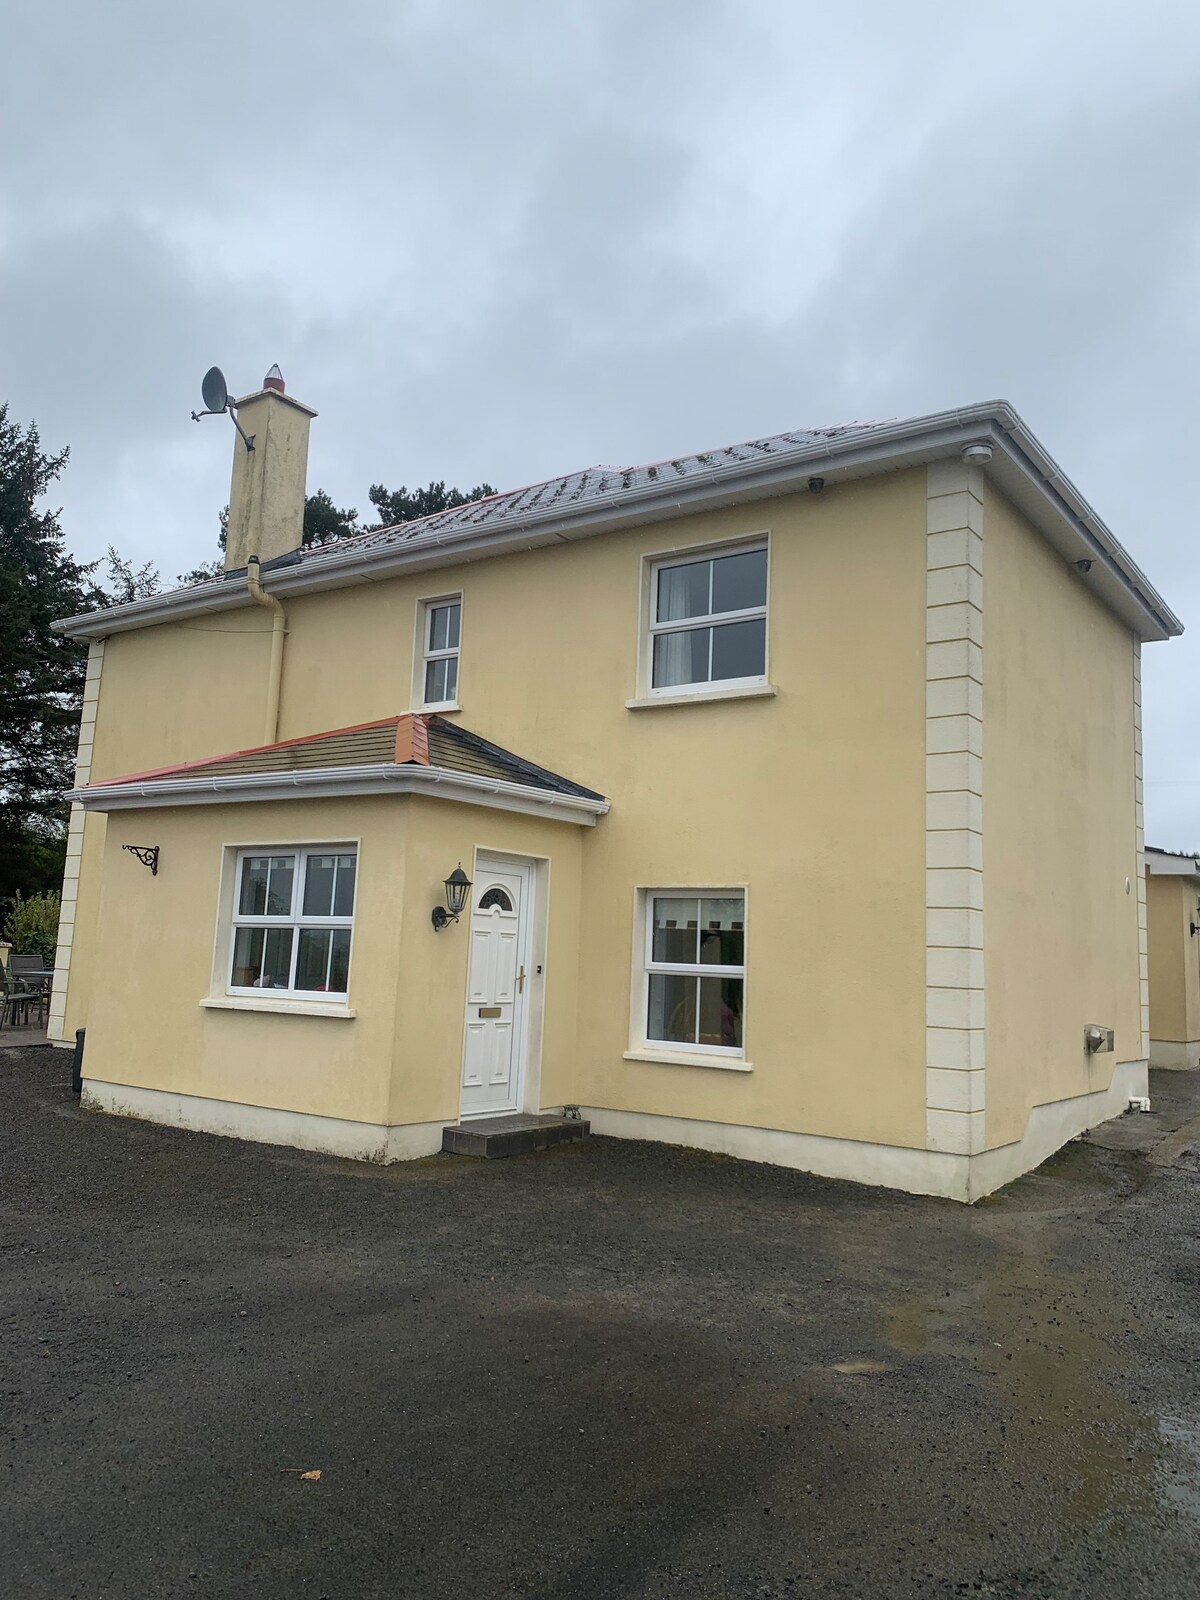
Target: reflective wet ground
column 603, row 1370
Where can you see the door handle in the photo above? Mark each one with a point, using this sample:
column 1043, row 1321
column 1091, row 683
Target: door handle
column 521, row 981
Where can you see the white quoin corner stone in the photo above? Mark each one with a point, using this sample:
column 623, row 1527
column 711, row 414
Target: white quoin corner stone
column 954, row 767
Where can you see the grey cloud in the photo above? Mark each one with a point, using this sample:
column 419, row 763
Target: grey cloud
column 504, row 242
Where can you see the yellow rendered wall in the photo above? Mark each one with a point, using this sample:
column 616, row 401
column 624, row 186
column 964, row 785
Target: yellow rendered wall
column 814, row 798
column 1171, row 908
column 154, row 964
column 431, row 998
column 398, row 1059
column 1059, row 842
column 167, row 694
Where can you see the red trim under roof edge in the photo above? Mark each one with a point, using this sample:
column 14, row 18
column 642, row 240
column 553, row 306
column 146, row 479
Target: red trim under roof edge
column 252, row 750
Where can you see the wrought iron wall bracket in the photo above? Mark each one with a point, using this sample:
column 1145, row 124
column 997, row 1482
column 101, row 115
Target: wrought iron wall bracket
column 147, row 854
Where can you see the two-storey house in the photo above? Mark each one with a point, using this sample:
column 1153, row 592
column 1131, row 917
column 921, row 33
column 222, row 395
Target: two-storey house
column 797, row 786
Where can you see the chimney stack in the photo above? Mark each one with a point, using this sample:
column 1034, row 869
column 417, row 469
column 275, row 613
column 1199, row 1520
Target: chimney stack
column 267, row 492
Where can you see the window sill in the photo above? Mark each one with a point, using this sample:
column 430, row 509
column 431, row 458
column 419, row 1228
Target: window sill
column 681, row 1058
column 287, row 1008
column 436, row 711
column 755, row 691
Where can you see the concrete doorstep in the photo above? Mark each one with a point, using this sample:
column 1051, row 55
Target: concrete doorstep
column 491, row 1137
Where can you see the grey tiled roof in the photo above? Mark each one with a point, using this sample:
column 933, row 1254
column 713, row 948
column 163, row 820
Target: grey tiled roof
column 460, row 750
column 593, row 487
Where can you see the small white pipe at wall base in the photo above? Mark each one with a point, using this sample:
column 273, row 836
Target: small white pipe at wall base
column 278, row 630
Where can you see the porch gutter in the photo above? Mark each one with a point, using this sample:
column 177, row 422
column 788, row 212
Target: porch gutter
column 467, row 788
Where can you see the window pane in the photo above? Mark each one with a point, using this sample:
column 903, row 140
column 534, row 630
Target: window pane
column 682, row 657
column 318, row 885
column 339, row 960
column 247, row 957
column 277, row 959
column 740, row 581
column 312, row 960
column 436, row 678
column 740, row 650
column 262, row 958
column 343, row 894
column 722, row 931
column 443, row 627
column 720, row 1021
column 683, row 591
column 253, row 899
column 671, row 1013
column 675, row 925
column 279, row 886
column 440, row 680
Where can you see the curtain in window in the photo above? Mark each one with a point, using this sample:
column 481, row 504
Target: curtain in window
column 679, row 596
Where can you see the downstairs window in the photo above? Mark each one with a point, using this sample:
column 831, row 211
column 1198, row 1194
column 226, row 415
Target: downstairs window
column 695, row 969
column 292, row 919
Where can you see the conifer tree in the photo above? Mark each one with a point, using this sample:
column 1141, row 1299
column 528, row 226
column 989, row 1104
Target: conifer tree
column 41, row 673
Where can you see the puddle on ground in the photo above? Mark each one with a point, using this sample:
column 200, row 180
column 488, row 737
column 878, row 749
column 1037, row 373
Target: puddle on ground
column 1035, row 1336
column 859, row 1369
column 1179, row 1471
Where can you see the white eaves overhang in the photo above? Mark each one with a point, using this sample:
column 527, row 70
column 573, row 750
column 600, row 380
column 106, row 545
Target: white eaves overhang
column 334, row 782
column 1020, row 467
column 1170, row 864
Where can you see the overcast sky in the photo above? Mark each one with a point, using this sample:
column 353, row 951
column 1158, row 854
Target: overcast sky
column 502, row 239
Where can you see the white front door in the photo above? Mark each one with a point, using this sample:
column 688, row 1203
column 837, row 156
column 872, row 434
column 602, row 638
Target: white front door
column 497, row 985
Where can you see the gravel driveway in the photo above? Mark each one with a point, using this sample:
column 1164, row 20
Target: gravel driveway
column 605, row 1370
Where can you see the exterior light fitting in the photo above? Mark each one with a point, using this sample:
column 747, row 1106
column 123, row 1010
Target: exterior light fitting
column 458, row 887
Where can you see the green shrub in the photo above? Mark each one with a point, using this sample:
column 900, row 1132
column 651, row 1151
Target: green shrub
column 33, row 925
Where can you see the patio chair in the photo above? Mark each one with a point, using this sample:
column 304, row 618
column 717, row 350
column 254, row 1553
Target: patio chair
column 16, row 999
column 22, row 969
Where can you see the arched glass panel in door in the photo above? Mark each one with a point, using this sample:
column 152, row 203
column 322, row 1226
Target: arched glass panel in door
column 495, row 897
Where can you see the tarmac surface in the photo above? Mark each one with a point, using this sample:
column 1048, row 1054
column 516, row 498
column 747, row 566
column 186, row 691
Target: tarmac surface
column 603, row 1370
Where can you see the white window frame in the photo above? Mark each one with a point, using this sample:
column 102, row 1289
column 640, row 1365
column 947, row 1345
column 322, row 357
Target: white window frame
column 673, row 1048
column 295, row 920
column 425, row 654
column 712, row 619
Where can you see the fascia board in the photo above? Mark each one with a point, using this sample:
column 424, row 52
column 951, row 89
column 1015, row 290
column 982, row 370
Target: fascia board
column 1055, row 505
column 1033, row 482
column 894, row 448
column 337, row 782
column 1168, row 866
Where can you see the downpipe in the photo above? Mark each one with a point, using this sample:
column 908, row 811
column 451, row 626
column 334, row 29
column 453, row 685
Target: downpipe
column 278, row 632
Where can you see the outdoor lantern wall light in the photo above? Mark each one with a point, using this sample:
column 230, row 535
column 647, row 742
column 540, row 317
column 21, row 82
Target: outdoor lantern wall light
column 458, row 887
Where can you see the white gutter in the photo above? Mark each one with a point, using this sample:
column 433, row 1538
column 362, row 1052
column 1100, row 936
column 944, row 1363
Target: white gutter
column 1054, row 505
column 333, row 782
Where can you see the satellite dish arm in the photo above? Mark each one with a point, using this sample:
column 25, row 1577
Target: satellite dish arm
column 247, row 438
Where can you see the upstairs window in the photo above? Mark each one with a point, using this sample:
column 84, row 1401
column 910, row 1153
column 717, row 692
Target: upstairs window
column 439, row 665
column 292, row 918
column 708, row 620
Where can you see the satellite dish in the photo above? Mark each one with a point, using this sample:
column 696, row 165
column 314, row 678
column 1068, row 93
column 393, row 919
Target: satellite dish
column 214, row 390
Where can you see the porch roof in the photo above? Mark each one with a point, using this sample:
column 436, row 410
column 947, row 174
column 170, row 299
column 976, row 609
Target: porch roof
column 408, row 753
